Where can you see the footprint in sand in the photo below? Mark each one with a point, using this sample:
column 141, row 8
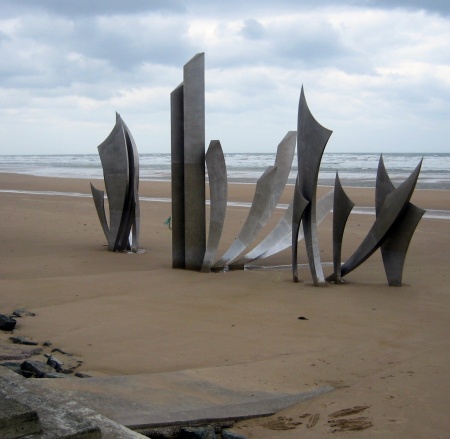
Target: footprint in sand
column 347, row 412
column 313, row 420
column 281, row 423
column 349, row 424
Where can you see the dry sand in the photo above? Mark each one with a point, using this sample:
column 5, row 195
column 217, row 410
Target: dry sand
column 385, row 349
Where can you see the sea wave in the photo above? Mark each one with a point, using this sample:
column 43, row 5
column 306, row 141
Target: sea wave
column 357, row 169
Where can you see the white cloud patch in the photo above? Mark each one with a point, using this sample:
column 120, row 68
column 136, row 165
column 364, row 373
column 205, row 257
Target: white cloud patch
column 379, row 78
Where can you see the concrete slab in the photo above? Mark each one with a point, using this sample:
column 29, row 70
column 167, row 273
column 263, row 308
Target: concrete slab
column 17, row 420
column 177, row 398
column 60, row 416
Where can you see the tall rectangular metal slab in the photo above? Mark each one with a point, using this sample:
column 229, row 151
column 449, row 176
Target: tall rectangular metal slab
column 177, row 165
column 194, row 161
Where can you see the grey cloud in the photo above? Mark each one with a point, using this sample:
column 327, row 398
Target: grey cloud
column 45, row 51
column 438, row 6
column 320, row 47
column 253, row 29
column 427, row 96
column 296, row 45
column 238, row 7
column 73, row 8
column 126, row 49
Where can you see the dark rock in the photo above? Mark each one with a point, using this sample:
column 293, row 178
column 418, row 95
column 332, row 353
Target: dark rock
column 162, row 432
column 197, row 433
column 47, row 343
column 15, row 367
column 23, row 312
column 228, row 434
column 189, row 432
column 220, row 425
column 23, row 340
column 54, row 375
column 54, row 362
column 67, row 365
column 10, row 352
column 7, row 323
column 38, row 369
column 82, row 375
column 60, row 351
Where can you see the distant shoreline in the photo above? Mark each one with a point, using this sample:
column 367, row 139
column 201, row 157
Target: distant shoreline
column 355, row 170
column 326, row 182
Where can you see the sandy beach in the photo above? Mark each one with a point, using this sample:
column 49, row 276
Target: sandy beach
column 384, row 349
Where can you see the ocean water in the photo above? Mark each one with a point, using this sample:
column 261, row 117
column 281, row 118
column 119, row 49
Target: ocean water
column 354, row 169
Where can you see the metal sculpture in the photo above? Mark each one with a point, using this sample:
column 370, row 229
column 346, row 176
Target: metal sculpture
column 312, row 139
column 395, row 247
column 188, row 167
column 177, row 180
column 280, row 238
column 396, row 217
column 391, row 210
column 299, row 206
column 217, row 176
column 120, row 162
column 341, row 211
column 256, row 218
column 268, row 192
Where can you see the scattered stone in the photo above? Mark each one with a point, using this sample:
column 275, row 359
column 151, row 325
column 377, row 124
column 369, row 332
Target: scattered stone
column 54, row 375
column 15, row 367
column 38, row 369
column 14, row 352
column 220, row 425
column 21, row 339
column 7, row 323
column 228, row 434
column 82, row 375
column 68, row 365
column 47, row 343
column 198, row 432
column 54, row 362
column 23, row 312
column 207, row 431
column 302, row 318
column 60, row 351
column 35, row 369
column 162, row 432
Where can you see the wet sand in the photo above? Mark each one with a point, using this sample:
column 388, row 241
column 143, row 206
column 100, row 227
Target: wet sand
column 385, row 349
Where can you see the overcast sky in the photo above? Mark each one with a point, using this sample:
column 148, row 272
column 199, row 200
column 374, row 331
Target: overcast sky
column 376, row 72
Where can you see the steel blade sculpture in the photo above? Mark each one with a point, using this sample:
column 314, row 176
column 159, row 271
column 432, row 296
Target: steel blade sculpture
column 342, row 207
column 120, row 162
column 396, row 217
column 394, row 224
column 218, row 188
column 280, row 238
column 188, row 167
column 268, row 192
column 311, row 141
column 395, row 246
